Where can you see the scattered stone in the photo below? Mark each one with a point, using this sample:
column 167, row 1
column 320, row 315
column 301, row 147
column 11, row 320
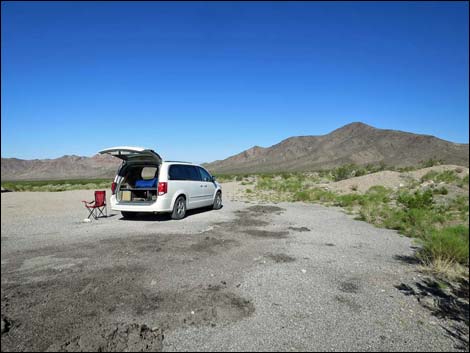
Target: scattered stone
column 303, row 271
column 281, row 258
column 6, row 324
column 300, row 229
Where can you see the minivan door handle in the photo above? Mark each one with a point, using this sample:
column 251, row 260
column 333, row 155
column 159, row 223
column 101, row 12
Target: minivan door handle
column 202, row 185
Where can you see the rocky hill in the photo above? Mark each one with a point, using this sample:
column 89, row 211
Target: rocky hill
column 354, row 143
column 66, row 167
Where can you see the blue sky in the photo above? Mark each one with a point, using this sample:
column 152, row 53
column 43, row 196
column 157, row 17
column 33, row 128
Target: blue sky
column 202, row 81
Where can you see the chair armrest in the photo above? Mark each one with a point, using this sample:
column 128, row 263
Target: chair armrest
column 88, row 202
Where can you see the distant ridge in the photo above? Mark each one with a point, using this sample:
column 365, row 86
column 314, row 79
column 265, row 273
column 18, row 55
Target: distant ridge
column 354, row 143
column 357, row 143
column 65, row 167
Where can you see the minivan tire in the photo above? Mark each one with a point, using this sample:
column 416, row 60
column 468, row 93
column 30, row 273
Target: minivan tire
column 179, row 208
column 217, row 201
column 128, row 215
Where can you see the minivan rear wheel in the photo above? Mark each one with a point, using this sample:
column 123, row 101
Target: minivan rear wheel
column 217, row 201
column 179, row 208
column 128, row 215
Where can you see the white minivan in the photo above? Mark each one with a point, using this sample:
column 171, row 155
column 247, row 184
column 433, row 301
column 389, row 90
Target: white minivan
column 145, row 183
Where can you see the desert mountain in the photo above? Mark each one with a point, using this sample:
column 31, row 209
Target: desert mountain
column 66, row 167
column 354, row 143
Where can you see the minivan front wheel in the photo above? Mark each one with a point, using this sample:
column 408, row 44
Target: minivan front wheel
column 217, row 201
column 179, row 209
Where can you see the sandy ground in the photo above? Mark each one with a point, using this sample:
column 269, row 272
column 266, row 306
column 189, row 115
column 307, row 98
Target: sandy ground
column 247, row 277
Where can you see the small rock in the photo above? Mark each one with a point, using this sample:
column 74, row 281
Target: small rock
column 192, row 312
column 153, row 282
column 303, row 271
column 5, row 326
column 428, row 302
column 87, row 220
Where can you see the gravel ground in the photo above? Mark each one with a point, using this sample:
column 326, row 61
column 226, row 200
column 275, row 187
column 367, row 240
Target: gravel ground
column 248, row 277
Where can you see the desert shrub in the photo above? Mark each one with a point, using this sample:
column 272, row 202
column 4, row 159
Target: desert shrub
column 354, row 187
column 57, row 185
column 378, row 193
column 441, row 191
column 449, row 244
column 417, row 200
column 374, row 168
column 431, row 163
column 314, row 194
column 301, row 196
column 463, row 183
column 224, row 177
column 447, row 176
column 406, row 169
column 323, row 195
column 419, row 222
column 347, row 200
column 249, row 191
column 344, row 172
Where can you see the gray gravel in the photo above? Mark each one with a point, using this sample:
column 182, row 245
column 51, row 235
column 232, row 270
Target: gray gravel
column 284, row 277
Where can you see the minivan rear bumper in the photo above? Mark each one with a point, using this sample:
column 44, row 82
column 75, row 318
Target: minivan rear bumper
column 162, row 204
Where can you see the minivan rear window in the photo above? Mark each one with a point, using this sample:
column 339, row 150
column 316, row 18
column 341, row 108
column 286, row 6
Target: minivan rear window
column 183, row 172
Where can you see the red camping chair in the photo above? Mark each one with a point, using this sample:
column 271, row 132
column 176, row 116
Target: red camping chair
column 98, row 205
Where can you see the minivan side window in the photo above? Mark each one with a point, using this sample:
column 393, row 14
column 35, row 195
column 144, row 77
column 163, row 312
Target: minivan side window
column 177, row 172
column 183, row 172
column 193, row 173
column 204, row 174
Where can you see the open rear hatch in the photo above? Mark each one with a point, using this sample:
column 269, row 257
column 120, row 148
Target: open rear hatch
column 133, row 154
column 129, row 186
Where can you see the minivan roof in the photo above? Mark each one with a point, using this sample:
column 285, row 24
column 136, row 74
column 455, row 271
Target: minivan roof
column 177, row 162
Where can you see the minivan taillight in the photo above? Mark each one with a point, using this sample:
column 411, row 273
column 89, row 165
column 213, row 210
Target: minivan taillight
column 113, row 188
column 162, row 188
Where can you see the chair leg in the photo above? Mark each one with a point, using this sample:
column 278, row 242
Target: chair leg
column 91, row 213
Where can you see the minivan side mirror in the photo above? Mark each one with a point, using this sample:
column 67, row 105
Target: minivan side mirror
column 213, row 178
